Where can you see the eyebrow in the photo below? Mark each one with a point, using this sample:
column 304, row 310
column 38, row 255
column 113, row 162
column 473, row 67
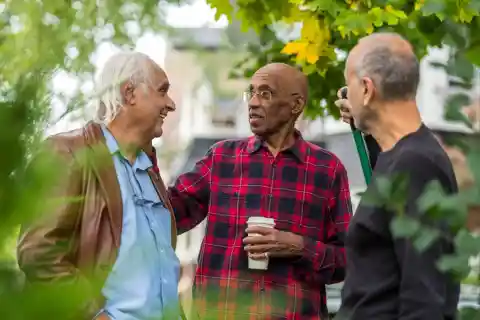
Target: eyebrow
column 164, row 85
column 261, row 87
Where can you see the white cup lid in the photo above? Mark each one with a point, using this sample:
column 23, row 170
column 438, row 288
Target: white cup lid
column 261, row 220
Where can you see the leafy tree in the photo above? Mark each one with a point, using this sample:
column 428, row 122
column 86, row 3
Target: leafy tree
column 37, row 40
column 329, row 29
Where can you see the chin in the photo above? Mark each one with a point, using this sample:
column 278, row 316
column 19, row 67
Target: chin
column 257, row 131
column 157, row 132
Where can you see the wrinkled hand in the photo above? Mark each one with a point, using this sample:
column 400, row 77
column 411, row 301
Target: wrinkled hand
column 269, row 242
column 344, row 107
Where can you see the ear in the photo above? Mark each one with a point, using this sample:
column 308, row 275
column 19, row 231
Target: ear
column 128, row 93
column 298, row 105
column 369, row 90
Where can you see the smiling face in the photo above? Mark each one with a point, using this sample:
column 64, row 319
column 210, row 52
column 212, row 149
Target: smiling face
column 149, row 103
column 271, row 103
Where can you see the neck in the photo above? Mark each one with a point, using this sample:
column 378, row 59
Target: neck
column 129, row 138
column 396, row 121
column 281, row 140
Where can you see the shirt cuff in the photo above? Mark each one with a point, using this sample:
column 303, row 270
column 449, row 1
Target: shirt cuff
column 312, row 250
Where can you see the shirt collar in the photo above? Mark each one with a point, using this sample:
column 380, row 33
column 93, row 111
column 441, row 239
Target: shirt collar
column 142, row 162
column 299, row 148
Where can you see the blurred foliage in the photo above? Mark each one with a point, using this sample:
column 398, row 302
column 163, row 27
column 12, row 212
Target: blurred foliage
column 39, row 39
column 328, row 30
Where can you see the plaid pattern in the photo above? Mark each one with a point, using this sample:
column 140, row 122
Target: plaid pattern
column 305, row 189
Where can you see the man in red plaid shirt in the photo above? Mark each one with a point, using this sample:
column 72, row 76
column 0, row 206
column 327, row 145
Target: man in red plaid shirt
column 275, row 174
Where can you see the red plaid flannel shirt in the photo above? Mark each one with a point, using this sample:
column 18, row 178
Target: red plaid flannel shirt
column 305, row 189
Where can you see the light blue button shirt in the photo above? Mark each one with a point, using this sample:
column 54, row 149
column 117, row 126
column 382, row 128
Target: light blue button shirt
column 143, row 283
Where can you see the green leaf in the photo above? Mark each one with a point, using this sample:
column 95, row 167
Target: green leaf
column 425, row 238
column 431, row 197
column 474, row 5
column 398, row 191
column 462, row 68
column 456, row 35
column 473, row 160
column 454, row 263
column 473, row 53
column 309, row 68
column 467, row 244
column 222, row 7
column 433, row 7
column 404, row 226
column 384, row 186
column 453, row 108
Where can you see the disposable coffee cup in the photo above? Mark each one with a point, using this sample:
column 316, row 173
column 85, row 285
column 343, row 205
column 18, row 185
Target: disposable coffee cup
column 260, row 222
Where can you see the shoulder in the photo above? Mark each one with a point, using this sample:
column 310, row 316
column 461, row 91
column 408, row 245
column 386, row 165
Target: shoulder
column 421, row 152
column 419, row 160
column 424, row 166
column 229, row 146
column 322, row 158
column 66, row 143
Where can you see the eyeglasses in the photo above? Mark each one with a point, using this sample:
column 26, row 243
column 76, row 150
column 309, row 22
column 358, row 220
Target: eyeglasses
column 263, row 95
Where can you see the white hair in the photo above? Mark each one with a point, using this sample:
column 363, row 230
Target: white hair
column 121, row 67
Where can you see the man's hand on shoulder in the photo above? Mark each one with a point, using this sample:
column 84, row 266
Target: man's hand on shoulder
column 263, row 242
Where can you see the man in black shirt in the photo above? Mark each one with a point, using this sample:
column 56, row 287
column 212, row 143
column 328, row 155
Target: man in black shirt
column 386, row 277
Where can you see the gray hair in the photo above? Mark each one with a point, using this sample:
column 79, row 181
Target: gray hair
column 395, row 74
column 121, row 67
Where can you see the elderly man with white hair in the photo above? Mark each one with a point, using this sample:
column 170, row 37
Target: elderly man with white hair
column 123, row 233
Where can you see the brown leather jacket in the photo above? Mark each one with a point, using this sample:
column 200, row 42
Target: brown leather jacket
column 80, row 240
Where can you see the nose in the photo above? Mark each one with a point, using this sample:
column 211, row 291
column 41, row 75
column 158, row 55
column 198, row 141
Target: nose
column 254, row 101
column 171, row 105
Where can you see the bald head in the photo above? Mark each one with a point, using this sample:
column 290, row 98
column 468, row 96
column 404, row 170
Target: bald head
column 389, row 60
column 289, row 76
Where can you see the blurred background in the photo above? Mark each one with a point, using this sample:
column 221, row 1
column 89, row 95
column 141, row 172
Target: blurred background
column 198, row 54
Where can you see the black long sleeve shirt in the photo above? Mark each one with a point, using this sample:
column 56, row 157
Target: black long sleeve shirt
column 386, row 278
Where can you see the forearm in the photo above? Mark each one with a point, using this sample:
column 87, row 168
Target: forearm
column 188, row 212
column 190, row 194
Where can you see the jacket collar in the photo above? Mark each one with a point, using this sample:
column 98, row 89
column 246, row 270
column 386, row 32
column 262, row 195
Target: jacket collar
column 100, row 160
